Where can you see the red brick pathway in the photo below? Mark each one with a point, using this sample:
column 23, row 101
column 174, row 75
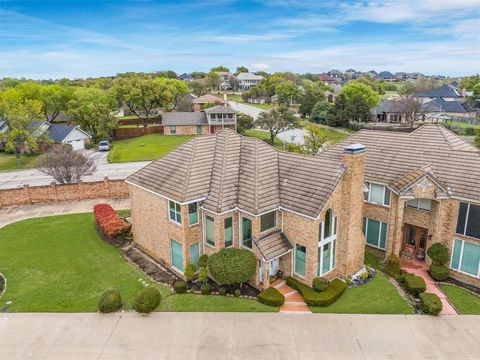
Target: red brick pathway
column 293, row 300
column 420, row 269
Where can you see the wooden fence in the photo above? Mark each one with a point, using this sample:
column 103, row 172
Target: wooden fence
column 128, row 133
column 140, row 121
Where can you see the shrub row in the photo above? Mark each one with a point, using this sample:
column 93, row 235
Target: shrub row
column 414, row 284
column 109, row 222
column 320, row 284
column 180, row 287
column 313, row 298
column 271, row 297
column 146, row 300
column 430, row 304
column 439, row 272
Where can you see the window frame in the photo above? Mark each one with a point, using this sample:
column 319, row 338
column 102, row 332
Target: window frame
column 190, row 253
column 205, row 231
column 171, row 254
column 195, row 223
column 295, row 261
column 381, row 223
column 418, row 204
column 331, row 239
column 199, row 127
column 224, row 232
column 274, row 212
column 178, row 212
column 173, row 129
column 242, row 218
column 368, row 194
column 467, row 215
column 462, row 248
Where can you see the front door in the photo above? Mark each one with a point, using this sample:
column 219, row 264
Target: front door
column 415, row 241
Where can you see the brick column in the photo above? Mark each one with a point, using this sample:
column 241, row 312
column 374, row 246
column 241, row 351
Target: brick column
column 106, row 183
column 397, row 228
column 26, row 189
column 266, row 274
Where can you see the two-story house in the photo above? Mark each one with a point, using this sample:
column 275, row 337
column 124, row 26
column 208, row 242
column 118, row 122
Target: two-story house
column 247, row 80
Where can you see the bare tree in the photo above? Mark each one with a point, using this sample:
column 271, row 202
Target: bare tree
column 67, row 166
column 410, row 107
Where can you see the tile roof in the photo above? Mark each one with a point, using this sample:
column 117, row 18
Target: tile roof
column 446, row 90
column 325, row 77
column 392, row 157
column 273, row 245
column 220, row 109
column 184, row 118
column 232, row 171
column 249, row 76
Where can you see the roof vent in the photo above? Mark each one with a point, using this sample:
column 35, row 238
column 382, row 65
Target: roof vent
column 354, row 149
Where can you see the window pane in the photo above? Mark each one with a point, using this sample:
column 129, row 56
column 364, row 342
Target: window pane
column 372, row 232
column 228, row 232
column 473, row 223
column 334, row 242
column 209, row 230
column 425, row 204
column 335, row 225
column 326, row 249
column 470, row 258
column 300, row 259
column 267, row 221
column 412, row 203
column 177, row 255
column 387, row 197
column 247, row 232
column 457, row 247
column 192, row 214
column 383, row 236
column 376, row 195
column 462, row 215
column 194, row 254
column 364, row 225
column 366, row 192
column 328, row 224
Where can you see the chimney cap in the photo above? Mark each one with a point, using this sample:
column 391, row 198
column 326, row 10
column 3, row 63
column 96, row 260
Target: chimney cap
column 354, row 149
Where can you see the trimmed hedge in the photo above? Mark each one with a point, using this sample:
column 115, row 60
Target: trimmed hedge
column 206, row 289
column 320, row 284
column 430, row 304
column 439, row 272
column 438, row 253
column 189, row 272
column 414, row 284
column 232, row 266
column 271, row 297
column 147, row 300
column 109, row 221
column 110, row 301
column 180, row 287
column 325, row 298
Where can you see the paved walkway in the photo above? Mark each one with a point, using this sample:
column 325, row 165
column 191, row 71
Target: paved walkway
column 237, row 336
column 294, row 302
column 15, row 213
column 421, row 269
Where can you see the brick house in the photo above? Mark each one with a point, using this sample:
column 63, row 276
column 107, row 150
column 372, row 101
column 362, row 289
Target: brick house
column 307, row 215
column 207, row 121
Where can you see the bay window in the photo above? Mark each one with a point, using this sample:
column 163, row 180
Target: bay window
column 247, row 232
column 228, row 231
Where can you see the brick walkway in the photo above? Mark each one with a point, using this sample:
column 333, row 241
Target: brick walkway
column 293, row 300
column 420, row 269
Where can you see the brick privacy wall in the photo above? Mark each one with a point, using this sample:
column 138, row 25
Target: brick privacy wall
column 28, row 195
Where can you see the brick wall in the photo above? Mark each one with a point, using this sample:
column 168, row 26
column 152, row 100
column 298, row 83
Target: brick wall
column 28, row 195
column 185, row 130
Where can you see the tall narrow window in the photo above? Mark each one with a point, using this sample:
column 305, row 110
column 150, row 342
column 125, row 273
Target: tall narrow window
column 327, row 232
column 209, row 230
column 177, row 255
column 268, row 221
column 173, row 129
column 300, row 259
column 468, row 222
column 228, row 231
column 175, row 212
column 247, row 232
column 192, row 214
column 194, row 254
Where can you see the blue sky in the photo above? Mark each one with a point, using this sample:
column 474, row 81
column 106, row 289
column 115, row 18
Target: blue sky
column 81, row 38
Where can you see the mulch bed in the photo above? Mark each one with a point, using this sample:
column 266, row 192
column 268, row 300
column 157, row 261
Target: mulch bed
column 460, row 284
column 118, row 241
column 245, row 288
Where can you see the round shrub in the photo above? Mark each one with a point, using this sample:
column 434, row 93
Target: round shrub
column 202, row 274
column 438, row 253
column 414, row 284
column 232, row 266
column 271, row 297
column 110, row 301
column 203, row 260
column 180, row 287
column 222, row 291
column 189, row 272
column 206, row 289
column 430, row 304
column 237, row 293
column 320, row 284
column 439, row 272
column 147, row 300
column 393, row 266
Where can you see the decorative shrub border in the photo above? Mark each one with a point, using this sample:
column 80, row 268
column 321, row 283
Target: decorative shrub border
column 110, row 226
column 3, row 284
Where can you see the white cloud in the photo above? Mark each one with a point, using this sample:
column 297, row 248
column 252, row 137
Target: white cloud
column 260, row 66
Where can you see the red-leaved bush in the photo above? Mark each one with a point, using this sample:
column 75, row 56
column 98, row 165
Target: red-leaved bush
column 109, row 222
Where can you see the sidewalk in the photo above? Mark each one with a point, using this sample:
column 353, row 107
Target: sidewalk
column 12, row 214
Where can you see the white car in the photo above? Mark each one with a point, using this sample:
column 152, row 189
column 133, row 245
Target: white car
column 103, row 146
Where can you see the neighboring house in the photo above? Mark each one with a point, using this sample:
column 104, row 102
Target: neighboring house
column 307, row 215
column 327, row 79
column 248, row 80
column 206, row 99
column 225, row 76
column 386, row 111
column 186, row 77
column 386, row 76
column 207, row 121
column 336, row 74
column 447, row 92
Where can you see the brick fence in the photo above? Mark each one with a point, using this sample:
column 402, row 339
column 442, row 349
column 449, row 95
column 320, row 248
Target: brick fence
column 28, row 195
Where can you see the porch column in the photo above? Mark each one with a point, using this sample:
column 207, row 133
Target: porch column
column 266, row 274
column 396, row 245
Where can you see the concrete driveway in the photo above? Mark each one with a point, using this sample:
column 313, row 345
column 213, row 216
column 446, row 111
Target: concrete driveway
column 237, row 336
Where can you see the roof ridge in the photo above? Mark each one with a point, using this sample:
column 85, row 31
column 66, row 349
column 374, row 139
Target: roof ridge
column 255, row 178
column 222, row 177
column 189, row 168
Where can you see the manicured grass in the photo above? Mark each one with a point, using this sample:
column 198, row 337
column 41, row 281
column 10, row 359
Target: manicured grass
column 60, row 264
column 332, row 135
column 211, row 303
column 264, row 135
column 373, row 260
column 465, row 302
column 148, row 147
column 239, row 99
column 378, row 296
column 9, row 162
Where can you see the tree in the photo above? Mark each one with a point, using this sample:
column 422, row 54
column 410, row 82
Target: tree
column 241, row 69
column 232, row 266
column 287, row 92
column 408, row 88
column 197, row 87
column 220, row 68
column 314, row 139
column 469, row 82
column 313, row 92
column 184, row 104
column 476, row 91
column 355, row 88
column 92, row 109
column 371, row 82
column 169, row 92
column 244, row 123
column 320, row 111
column 357, row 110
column 276, row 121
column 410, row 107
column 198, row 74
column 67, row 166
column 336, row 116
column 477, row 139
column 233, row 82
column 213, row 80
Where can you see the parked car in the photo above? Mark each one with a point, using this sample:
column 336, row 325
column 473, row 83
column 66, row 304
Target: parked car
column 103, row 146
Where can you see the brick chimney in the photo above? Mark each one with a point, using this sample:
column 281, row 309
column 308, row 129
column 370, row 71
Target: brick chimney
column 352, row 242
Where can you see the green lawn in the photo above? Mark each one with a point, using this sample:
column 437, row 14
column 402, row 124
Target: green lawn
column 9, row 162
column 148, row 147
column 264, row 135
column 239, row 99
column 373, row 261
column 464, row 301
column 378, row 296
column 212, row 303
column 332, row 135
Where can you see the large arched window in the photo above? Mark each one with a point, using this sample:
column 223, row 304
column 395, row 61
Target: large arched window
column 327, row 239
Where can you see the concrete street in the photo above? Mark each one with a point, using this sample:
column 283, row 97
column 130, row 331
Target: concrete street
column 237, row 336
column 34, row 177
column 246, row 109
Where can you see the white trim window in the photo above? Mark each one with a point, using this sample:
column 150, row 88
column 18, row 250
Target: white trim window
column 268, row 221
column 375, row 232
column 174, row 212
column 209, row 230
column 300, row 265
column 420, row 204
column 192, row 214
column 466, row 257
column 327, row 242
column 468, row 221
column 378, row 194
